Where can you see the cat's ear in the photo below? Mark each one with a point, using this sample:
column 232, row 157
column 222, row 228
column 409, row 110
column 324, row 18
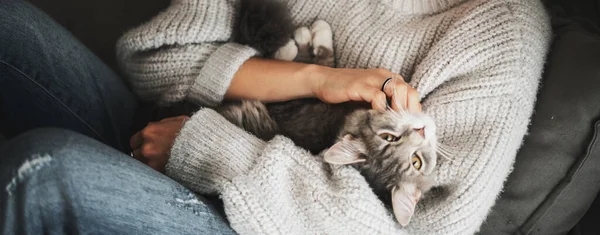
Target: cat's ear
column 404, row 201
column 346, row 151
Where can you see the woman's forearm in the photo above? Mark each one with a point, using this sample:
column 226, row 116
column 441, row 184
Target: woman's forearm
column 274, row 80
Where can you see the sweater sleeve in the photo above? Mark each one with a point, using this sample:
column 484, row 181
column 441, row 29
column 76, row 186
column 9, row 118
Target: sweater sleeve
column 483, row 108
column 209, row 151
column 274, row 187
column 183, row 53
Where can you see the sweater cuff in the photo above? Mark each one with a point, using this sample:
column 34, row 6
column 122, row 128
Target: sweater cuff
column 212, row 83
column 210, row 151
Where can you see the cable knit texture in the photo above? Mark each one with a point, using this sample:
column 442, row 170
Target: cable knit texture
column 476, row 64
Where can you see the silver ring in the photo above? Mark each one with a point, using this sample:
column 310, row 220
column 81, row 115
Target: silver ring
column 385, row 83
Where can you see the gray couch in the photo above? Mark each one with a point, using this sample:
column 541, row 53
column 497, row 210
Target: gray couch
column 557, row 172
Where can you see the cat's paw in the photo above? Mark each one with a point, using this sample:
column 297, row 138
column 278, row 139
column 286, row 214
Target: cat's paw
column 287, row 52
column 322, row 39
column 303, row 38
column 324, row 56
column 321, row 35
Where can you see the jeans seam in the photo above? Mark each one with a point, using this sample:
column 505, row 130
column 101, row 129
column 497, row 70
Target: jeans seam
column 53, row 97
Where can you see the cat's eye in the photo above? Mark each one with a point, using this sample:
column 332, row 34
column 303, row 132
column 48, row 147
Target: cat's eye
column 389, row 137
column 416, row 161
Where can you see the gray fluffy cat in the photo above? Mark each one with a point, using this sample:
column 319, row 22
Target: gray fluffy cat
column 394, row 151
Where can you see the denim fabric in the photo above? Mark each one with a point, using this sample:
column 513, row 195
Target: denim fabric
column 48, row 78
column 56, row 181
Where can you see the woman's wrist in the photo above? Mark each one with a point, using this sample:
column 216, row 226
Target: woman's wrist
column 312, row 76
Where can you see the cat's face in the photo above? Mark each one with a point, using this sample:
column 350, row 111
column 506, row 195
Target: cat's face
column 395, row 152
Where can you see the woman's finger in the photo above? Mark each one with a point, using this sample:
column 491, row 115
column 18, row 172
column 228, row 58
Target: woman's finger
column 394, row 89
column 399, row 95
column 413, row 98
column 368, row 94
column 137, row 154
column 379, row 101
column 136, row 140
column 156, row 166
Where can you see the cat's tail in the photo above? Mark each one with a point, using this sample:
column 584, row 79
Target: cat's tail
column 265, row 25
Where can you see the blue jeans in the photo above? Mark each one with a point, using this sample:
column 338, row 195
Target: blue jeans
column 75, row 177
column 56, row 181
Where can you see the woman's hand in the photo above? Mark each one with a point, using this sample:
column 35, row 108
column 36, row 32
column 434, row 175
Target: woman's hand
column 337, row 85
column 152, row 144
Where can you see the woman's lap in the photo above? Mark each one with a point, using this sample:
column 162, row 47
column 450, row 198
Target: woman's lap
column 55, row 180
column 58, row 181
column 48, row 78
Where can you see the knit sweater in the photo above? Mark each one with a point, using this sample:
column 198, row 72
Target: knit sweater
column 476, row 64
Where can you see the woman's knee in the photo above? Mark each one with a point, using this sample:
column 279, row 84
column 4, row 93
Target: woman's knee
column 59, row 149
column 21, row 26
column 27, row 36
column 43, row 173
column 42, row 140
column 57, row 175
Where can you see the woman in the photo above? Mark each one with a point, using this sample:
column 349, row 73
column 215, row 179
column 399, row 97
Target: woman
column 475, row 66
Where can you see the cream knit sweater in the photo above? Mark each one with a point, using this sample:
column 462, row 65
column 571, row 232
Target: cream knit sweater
column 476, row 64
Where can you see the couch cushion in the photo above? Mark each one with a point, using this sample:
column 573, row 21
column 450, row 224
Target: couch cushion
column 556, row 175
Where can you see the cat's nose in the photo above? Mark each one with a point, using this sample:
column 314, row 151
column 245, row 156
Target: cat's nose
column 421, row 131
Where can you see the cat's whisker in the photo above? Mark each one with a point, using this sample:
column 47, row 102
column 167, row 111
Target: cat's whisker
column 446, row 148
column 403, row 111
column 396, row 114
column 388, row 107
column 445, row 156
column 445, row 151
column 442, row 152
column 439, row 144
column 441, row 147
